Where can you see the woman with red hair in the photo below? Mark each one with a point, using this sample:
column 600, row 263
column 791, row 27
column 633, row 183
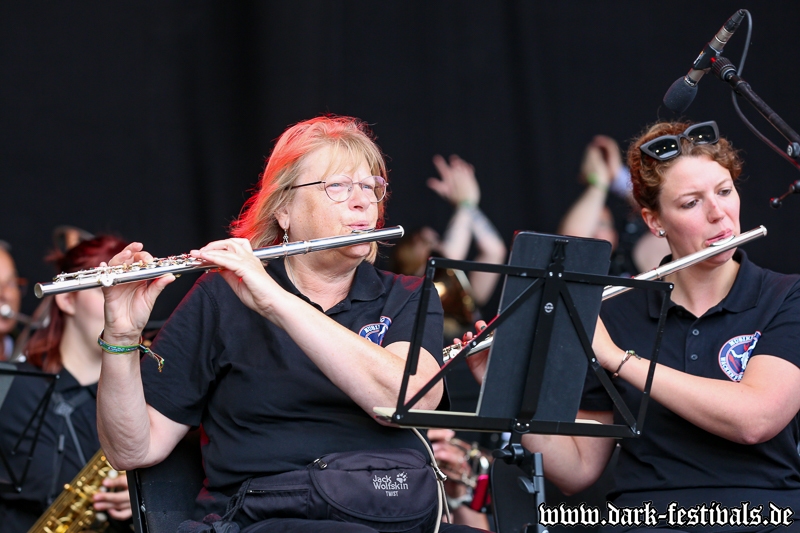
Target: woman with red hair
column 66, row 346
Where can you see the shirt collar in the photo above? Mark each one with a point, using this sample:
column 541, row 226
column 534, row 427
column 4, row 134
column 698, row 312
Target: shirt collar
column 366, row 286
column 67, row 382
column 743, row 294
column 746, row 288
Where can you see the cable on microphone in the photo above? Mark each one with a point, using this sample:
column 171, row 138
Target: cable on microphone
column 682, row 92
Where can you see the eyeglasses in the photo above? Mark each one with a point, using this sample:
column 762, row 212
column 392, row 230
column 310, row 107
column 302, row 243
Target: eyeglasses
column 340, row 188
column 668, row 147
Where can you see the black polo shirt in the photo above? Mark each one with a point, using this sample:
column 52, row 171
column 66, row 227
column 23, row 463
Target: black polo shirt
column 55, row 459
column 674, row 460
column 264, row 406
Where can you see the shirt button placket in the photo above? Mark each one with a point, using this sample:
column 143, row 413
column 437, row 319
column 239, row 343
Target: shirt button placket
column 691, row 347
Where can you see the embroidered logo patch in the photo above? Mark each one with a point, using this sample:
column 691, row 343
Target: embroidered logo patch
column 392, row 487
column 376, row 332
column 735, row 353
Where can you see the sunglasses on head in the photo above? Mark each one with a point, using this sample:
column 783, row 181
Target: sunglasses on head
column 668, row 147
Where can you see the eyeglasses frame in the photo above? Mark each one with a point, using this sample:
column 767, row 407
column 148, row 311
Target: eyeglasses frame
column 350, row 190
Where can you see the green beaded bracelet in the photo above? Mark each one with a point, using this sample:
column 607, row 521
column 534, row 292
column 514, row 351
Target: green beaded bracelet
column 594, row 181
column 115, row 349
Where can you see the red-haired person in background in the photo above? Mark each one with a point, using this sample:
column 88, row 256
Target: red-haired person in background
column 67, row 346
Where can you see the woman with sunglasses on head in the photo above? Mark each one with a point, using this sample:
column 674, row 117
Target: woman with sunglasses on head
column 282, row 364
column 721, row 427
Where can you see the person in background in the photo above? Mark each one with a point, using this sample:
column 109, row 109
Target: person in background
column 462, row 296
column 457, row 185
column 10, row 298
column 453, row 457
column 67, row 346
column 634, row 250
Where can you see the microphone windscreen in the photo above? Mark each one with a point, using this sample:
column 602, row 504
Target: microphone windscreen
column 680, row 95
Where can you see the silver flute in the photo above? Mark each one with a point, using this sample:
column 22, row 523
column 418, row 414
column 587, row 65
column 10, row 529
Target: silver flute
column 109, row 276
column 653, row 275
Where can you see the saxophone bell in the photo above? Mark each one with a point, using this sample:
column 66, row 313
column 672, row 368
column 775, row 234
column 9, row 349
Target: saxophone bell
column 73, row 509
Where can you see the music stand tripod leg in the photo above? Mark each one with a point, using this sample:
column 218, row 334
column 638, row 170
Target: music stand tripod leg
column 533, row 480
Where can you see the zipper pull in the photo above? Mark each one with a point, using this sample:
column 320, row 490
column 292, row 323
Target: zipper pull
column 320, row 463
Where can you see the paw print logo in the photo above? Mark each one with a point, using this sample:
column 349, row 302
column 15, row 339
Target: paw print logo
column 402, row 477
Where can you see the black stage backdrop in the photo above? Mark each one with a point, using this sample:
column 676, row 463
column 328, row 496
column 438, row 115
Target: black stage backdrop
column 152, row 119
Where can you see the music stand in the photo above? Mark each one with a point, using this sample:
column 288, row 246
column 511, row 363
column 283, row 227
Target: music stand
column 8, row 373
column 539, row 357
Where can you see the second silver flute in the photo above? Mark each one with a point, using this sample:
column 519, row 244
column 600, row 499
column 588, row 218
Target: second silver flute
column 653, row 275
column 114, row 275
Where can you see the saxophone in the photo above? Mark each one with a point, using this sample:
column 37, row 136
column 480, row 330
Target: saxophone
column 72, row 511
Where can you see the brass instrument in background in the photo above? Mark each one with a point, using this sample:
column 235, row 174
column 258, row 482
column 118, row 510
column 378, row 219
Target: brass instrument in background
column 72, row 511
column 455, row 292
column 477, row 459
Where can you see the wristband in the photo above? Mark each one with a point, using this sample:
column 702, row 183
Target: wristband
column 466, row 204
column 116, row 349
column 592, row 180
column 628, row 354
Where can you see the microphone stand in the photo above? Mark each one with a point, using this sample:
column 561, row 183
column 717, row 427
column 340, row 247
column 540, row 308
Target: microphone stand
column 726, row 71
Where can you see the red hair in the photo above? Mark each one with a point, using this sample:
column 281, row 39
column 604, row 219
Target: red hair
column 43, row 349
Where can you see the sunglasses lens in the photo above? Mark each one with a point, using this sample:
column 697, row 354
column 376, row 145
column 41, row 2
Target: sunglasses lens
column 664, row 148
column 702, row 134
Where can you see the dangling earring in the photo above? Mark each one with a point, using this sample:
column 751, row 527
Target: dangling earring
column 285, row 237
column 662, row 233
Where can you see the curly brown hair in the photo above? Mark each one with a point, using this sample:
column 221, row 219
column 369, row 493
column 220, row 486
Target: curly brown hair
column 647, row 174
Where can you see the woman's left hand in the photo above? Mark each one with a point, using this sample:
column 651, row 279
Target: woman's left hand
column 116, row 500
column 243, row 271
column 128, row 305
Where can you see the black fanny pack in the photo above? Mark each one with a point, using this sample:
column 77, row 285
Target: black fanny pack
column 392, row 491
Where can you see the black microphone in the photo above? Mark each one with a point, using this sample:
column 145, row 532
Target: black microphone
column 681, row 93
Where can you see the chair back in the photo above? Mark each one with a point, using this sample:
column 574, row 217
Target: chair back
column 163, row 495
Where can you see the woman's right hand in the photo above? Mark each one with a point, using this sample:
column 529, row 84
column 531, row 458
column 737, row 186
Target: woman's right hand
column 128, row 305
column 477, row 362
column 244, row 272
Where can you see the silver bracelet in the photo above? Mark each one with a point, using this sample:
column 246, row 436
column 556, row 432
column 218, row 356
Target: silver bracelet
column 628, row 355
